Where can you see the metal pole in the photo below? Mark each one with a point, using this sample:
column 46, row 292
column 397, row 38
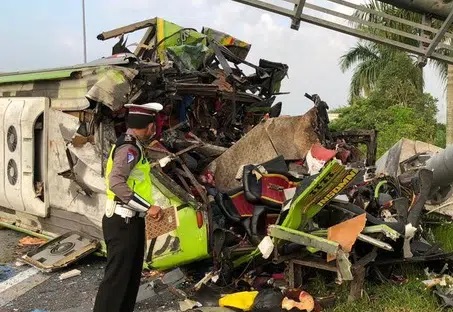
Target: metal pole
column 84, row 34
column 449, row 108
column 440, row 34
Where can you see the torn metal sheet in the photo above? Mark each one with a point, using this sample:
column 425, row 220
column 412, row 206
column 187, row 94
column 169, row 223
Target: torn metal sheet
column 189, row 241
column 266, row 141
column 79, row 211
column 304, row 239
column 389, row 163
column 375, row 242
column 346, row 233
column 126, row 29
column 383, row 229
column 113, row 87
column 317, row 157
column 66, row 88
column 89, row 155
column 362, row 237
column 222, row 60
column 91, row 179
column 61, row 129
column 67, row 124
column 238, row 47
column 284, row 133
column 310, row 199
column 344, row 266
column 61, row 251
column 169, row 34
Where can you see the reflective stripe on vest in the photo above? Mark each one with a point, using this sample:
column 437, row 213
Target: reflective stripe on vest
column 139, row 180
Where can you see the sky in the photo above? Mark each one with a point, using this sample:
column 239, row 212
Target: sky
column 48, row 33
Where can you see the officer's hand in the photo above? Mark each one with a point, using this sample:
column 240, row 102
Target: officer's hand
column 155, row 212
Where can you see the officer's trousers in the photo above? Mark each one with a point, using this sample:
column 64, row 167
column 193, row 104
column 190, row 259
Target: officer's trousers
column 125, row 250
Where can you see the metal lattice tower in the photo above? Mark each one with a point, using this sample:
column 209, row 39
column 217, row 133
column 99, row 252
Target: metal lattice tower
column 429, row 42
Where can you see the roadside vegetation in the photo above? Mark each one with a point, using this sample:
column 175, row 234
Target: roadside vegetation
column 387, row 94
column 408, row 296
column 387, row 88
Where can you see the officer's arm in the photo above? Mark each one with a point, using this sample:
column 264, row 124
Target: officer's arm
column 126, row 157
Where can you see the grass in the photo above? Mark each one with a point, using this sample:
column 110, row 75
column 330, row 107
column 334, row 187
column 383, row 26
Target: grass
column 412, row 296
column 442, row 235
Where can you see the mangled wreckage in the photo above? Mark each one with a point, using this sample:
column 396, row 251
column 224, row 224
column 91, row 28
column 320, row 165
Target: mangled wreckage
column 59, row 125
column 246, row 183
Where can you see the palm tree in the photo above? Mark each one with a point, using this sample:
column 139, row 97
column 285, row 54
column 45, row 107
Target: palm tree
column 368, row 58
column 361, row 56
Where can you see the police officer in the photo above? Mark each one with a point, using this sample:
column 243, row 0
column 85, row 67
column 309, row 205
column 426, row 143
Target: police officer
column 129, row 200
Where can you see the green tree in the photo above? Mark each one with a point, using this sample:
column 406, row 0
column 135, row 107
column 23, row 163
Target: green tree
column 396, row 108
column 368, row 59
column 386, row 91
column 441, row 135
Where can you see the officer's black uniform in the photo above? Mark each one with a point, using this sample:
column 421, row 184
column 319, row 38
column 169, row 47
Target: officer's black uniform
column 119, row 288
column 124, row 237
column 125, row 240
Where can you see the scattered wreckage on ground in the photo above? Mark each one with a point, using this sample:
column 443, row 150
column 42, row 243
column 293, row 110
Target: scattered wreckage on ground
column 249, row 187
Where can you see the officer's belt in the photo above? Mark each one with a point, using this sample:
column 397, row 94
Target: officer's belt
column 118, row 200
column 125, row 212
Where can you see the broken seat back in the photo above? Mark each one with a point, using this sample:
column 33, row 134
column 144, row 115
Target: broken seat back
column 253, row 218
column 266, row 185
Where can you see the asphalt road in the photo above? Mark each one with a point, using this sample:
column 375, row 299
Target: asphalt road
column 78, row 293
column 8, row 244
column 26, row 290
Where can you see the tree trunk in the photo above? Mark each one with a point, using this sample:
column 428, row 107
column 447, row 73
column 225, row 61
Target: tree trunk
column 450, row 105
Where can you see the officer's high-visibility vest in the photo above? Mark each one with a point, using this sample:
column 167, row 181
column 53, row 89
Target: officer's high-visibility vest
column 139, row 179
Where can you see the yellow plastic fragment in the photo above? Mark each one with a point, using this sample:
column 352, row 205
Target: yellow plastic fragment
column 240, row 300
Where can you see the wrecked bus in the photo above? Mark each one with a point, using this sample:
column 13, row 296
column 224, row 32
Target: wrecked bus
column 246, row 183
column 56, row 136
column 59, row 124
column 54, row 145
